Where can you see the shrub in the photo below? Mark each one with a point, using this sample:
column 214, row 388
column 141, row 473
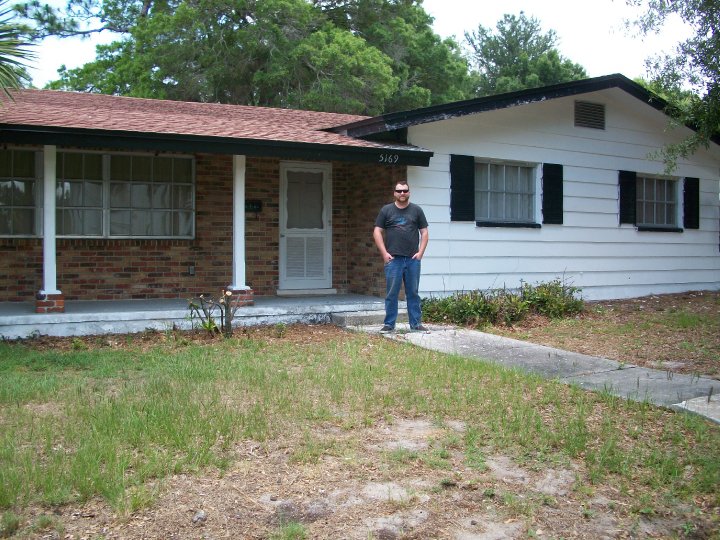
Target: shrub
column 206, row 310
column 503, row 306
column 554, row 299
column 474, row 308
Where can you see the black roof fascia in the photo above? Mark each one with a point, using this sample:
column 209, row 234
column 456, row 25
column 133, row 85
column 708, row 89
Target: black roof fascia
column 402, row 120
column 123, row 140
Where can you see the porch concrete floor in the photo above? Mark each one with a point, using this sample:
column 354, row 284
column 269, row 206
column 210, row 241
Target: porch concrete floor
column 82, row 317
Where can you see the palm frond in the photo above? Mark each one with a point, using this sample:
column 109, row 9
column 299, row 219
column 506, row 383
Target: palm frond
column 15, row 53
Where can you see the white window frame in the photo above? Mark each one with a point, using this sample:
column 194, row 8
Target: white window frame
column 535, row 195
column 640, row 189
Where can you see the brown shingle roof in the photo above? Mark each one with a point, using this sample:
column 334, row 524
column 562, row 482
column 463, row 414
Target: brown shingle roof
column 40, row 110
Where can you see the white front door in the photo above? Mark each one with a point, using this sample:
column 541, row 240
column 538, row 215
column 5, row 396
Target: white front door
column 305, row 226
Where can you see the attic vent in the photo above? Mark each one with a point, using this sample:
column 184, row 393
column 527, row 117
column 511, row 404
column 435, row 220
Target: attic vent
column 589, row 115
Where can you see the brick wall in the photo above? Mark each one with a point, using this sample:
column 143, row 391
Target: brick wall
column 261, row 230
column 21, row 268
column 371, row 189
column 94, row 269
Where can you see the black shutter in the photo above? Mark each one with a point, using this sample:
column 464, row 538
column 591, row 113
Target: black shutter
column 462, row 188
column 552, row 194
column 628, row 197
column 691, row 203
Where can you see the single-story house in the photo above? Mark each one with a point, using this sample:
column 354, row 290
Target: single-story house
column 105, row 197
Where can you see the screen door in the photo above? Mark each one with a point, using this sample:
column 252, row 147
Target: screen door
column 305, row 232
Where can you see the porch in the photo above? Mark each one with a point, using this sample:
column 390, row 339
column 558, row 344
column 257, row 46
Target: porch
column 96, row 317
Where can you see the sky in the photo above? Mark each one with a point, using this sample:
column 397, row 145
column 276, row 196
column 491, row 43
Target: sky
column 591, row 33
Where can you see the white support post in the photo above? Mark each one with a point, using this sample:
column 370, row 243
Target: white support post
column 239, row 224
column 49, row 247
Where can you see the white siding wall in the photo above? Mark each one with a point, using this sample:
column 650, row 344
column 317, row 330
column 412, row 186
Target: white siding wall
column 590, row 250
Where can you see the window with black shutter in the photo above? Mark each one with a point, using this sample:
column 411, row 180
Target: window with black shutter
column 652, row 203
column 495, row 193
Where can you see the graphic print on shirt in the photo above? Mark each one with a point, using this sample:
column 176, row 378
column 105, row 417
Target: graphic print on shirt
column 400, row 223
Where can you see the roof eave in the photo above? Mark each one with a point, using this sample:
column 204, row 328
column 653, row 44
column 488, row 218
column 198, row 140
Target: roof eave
column 124, row 140
column 399, row 120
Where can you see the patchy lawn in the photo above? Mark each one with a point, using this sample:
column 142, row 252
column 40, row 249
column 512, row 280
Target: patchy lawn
column 305, row 432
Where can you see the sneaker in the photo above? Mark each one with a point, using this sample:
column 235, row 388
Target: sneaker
column 386, row 329
column 420, row 328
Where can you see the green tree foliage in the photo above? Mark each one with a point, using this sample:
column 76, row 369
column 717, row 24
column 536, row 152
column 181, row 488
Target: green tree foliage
column 430, row 70
column 518, row 56
column 358, row 56
column 14, row 51
column 695, row 65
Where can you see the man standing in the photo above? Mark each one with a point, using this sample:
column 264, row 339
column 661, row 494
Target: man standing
column 402, row 248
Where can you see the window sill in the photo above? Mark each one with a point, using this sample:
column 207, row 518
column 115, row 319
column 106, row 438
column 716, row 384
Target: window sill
column 648, row 228
column 507, row 224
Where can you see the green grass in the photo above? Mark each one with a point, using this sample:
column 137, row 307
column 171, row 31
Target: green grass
column 109, row 423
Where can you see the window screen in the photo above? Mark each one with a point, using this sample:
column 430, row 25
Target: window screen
column 504, row 192
column 656, row 202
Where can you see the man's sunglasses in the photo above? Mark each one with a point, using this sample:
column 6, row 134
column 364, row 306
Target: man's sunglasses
column 402, row 191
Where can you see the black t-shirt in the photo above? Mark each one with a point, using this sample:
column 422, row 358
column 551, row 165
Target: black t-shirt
column 402, row 225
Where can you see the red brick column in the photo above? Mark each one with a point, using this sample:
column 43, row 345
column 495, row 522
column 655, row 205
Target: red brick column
column 243, row 297
column 49, row 303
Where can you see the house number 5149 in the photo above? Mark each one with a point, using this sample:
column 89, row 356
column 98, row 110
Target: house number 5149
column 389, row 158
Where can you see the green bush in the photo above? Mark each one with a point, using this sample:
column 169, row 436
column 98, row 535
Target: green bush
column 554, row 299
column 478, row 308
column 474, row 308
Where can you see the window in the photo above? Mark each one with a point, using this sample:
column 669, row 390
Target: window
column 79, row 195
column 101, row 195
column 654, row 204
column 151, row 196
column 19, row 193
column 503, row 194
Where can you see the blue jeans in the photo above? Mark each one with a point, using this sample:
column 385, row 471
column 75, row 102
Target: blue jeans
column 402, row 270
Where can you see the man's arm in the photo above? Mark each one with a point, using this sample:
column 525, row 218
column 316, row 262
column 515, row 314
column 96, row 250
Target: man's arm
column 380, row 243
column 424, row 237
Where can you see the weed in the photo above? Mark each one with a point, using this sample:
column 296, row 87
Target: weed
column 437, row 458
column 518, row 505
column 9, row 525
column 403, row 456
column 310, row 450
column 588, row 513
column 473, row 455
column 45, row 522
column 280, row 330
column 290, row 531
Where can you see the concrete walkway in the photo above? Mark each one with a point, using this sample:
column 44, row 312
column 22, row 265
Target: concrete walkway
column 698, row 395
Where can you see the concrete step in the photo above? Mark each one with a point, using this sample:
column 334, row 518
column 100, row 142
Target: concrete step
column 18, row 320
column 362, row 318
